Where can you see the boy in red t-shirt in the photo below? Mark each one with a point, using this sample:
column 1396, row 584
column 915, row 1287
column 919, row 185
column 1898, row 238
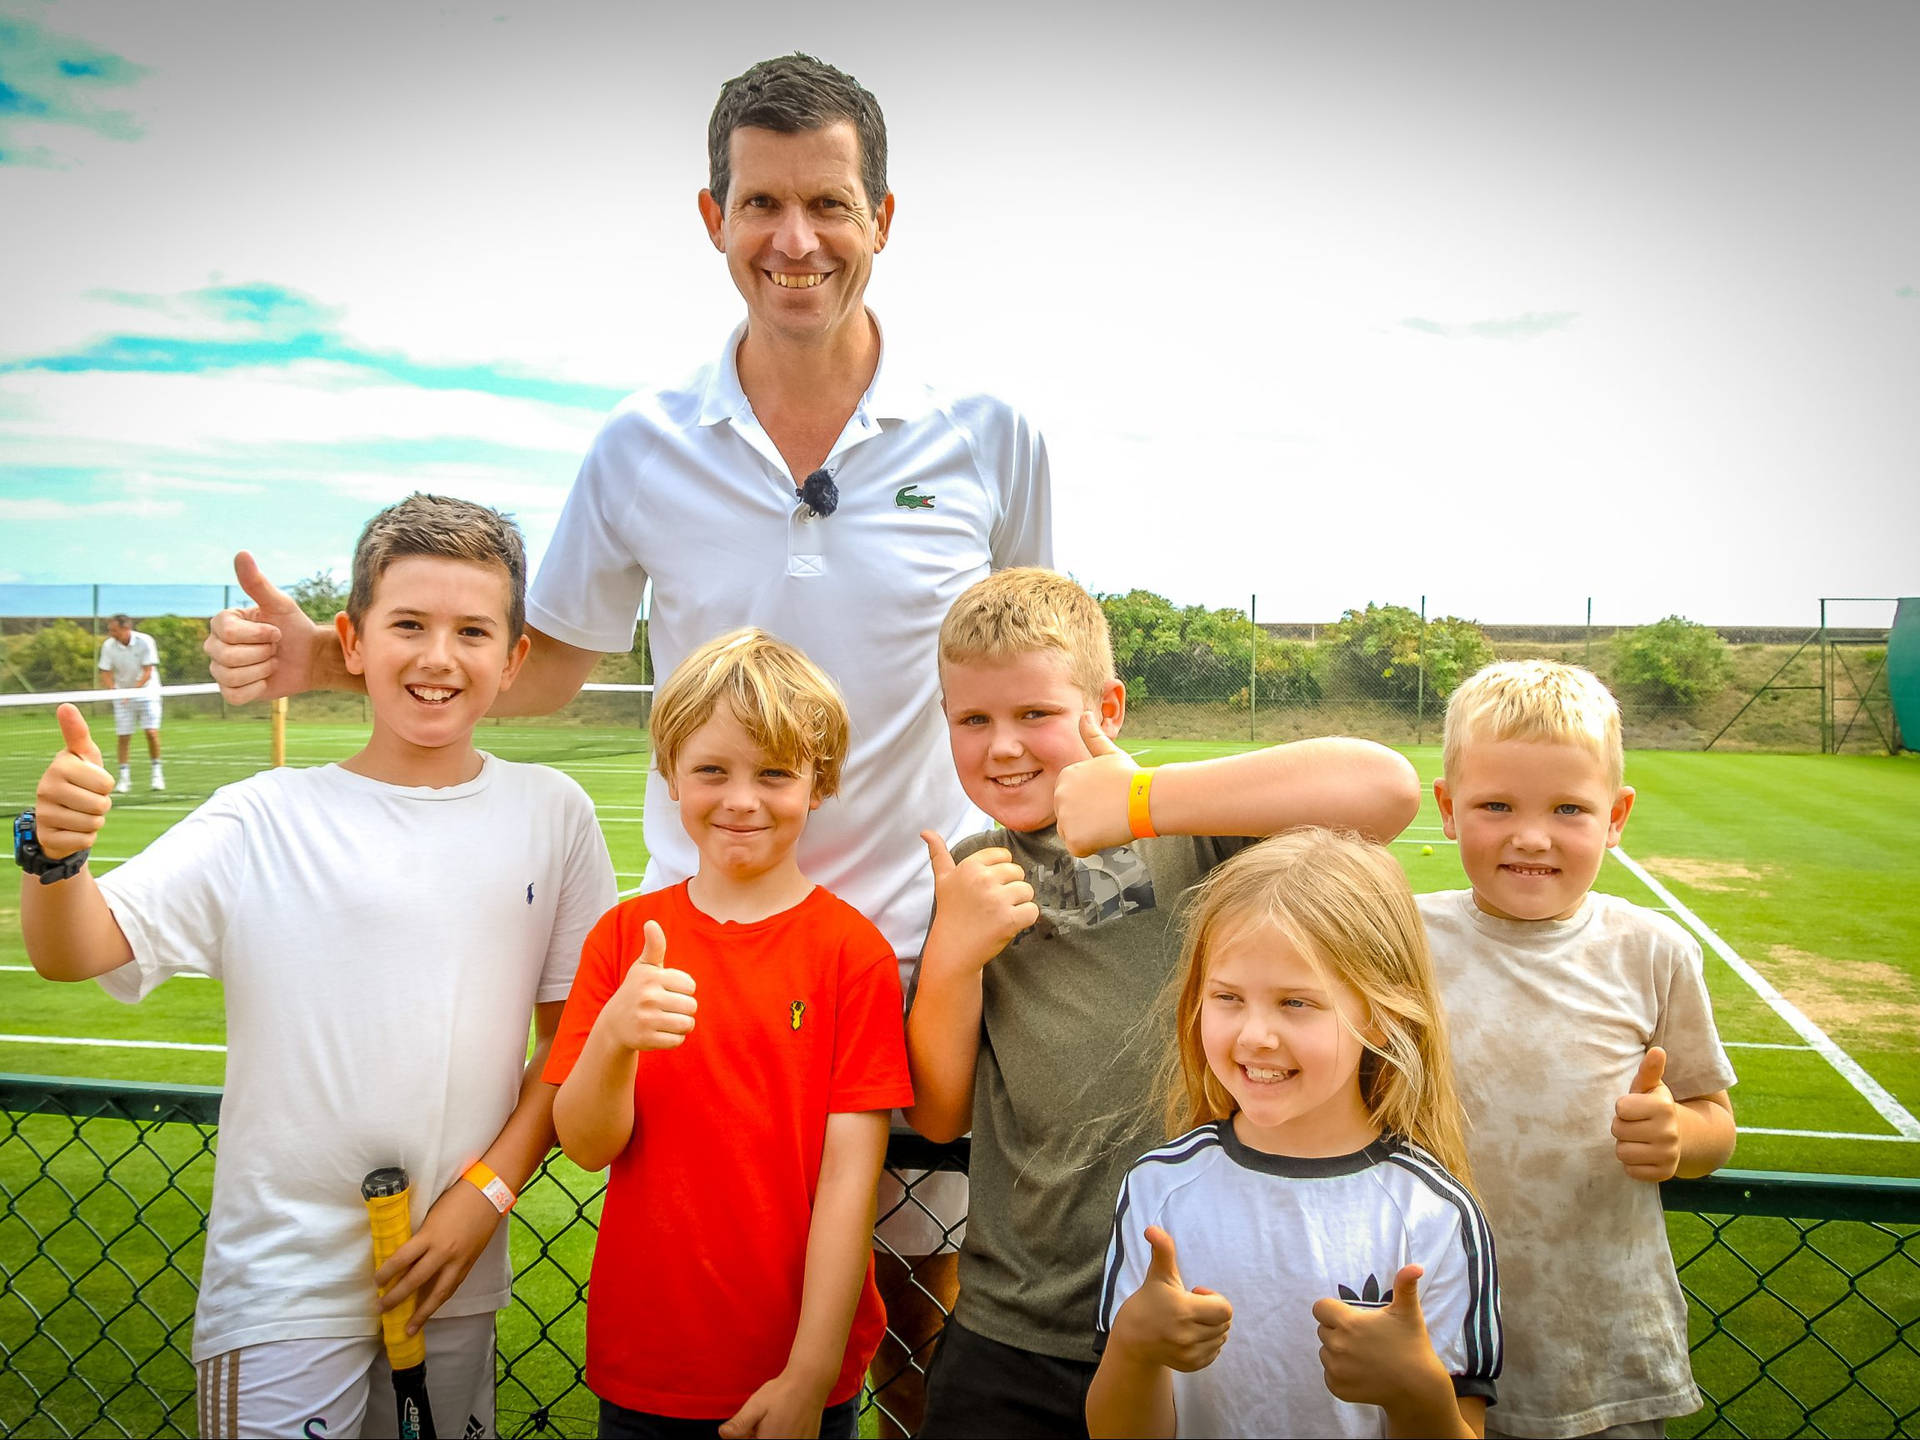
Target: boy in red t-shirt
column 733, row 1281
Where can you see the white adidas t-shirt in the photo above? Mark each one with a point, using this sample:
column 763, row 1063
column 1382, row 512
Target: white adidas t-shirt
column 1275, row 1233
column 683, row 487
column 382, row 949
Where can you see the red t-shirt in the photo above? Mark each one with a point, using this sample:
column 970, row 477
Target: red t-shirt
column 701, row 1260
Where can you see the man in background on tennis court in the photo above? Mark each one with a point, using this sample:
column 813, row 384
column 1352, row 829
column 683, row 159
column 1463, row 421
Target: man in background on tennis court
column 803, row 481
column 129, row 660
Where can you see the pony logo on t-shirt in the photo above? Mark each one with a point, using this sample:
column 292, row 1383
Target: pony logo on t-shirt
column 794, row 1011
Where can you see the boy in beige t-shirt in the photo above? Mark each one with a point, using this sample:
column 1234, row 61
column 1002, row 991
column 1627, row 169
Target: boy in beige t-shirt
column 1586, row 1054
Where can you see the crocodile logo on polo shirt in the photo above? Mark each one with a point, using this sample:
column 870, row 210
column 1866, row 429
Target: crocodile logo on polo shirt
column 907, row 500
column 794, row 1011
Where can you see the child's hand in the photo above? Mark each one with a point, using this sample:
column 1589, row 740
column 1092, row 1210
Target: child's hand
column 653, row 1008
column 785, row 1405
column 1090, row 796
column 71, row 802
column 1164, row 1323
column 985, row 899
column 1646, row 1123
column 1384, row 1356
column 441, row 1252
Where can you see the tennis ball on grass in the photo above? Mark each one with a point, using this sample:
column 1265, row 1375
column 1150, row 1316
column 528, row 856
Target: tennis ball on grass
column 1426, row 849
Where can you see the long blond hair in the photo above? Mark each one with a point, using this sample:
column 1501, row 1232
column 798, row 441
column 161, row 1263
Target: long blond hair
column 1344, row 904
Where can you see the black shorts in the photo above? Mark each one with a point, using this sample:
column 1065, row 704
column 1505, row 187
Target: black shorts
column 978, row 1389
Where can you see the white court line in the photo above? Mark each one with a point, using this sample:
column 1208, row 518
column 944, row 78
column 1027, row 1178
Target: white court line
column 1762, row 1045
column 1875, row 1094
column 113, row 1044
column 1832, row 1135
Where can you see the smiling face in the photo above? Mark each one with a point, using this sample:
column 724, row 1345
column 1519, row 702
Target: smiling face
column 1015, row 725
column 435, row 651
column 1534, row 819
column 798, row 230
column 1284, row 1040
column 742, row 808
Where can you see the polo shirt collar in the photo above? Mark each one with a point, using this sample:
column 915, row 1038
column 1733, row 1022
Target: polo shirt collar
column 889, row 396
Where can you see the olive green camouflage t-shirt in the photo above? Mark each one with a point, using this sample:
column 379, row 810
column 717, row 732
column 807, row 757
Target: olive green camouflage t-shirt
column 1062, row 1106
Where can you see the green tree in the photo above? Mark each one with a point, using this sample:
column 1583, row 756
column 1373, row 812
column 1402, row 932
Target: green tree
column 179, row 639
column 320, row 595
column 1674, row 661
column 1386, row 652
column 59, row 656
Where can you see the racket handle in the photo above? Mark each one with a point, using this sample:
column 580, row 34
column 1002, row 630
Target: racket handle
column 386, row 1192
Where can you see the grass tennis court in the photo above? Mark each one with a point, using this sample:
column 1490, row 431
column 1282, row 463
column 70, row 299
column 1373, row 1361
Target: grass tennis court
column 1801, row 867
column 1795, row 865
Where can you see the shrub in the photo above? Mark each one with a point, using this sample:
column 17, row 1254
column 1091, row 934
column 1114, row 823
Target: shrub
column 320, row 595
column 59, row 656
column 1383, row 652
column 1674, row 661
column 179, row 639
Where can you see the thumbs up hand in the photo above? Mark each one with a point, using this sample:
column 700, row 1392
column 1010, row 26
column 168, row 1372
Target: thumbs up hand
column 980, row 903
column 654, row 1007
column 1383, row 1356
column 265, row 650
column 1646, row 1123
column 1090, row 795
column 70, row 803
column 1165, row 1323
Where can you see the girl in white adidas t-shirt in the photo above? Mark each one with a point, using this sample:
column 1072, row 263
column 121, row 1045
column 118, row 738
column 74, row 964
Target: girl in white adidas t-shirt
column 1333, row 1274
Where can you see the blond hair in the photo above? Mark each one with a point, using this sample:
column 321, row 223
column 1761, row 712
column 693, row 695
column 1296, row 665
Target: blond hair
column 1344, row 904
column 1535, row 700
column 441, row 528
column 1024, row 610
column 785, row 701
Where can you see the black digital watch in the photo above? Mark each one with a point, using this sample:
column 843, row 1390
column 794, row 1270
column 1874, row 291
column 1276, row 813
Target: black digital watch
column 28, row 855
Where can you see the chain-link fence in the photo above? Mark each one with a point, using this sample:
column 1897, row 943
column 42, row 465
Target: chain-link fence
column 1804, row 1290
column 1381, row 671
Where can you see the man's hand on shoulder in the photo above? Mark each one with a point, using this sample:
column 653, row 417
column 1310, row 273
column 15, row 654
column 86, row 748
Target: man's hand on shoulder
column 266, row 650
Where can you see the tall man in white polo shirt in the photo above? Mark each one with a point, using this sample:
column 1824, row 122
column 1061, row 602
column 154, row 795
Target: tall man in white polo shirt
column 129, row 660
column 798, row 482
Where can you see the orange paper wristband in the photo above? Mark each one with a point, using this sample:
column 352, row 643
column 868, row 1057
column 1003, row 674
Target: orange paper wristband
column 1139, row 813
column 491, row 1186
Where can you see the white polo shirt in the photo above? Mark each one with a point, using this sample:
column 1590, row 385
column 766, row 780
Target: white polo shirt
column 128, row 660
column 684, row 487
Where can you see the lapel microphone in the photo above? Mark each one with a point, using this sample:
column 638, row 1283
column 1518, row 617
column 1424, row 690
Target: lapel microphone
column 819, row 494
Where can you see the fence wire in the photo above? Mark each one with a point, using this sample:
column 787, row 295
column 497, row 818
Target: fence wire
column 1803, row 1291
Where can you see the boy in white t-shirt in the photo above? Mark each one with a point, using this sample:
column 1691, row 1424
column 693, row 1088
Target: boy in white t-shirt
column 129, row 660
column 1585, row 1052
column 385, row 929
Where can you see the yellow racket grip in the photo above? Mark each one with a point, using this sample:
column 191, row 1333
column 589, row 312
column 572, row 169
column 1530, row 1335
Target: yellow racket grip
column 386, row 1193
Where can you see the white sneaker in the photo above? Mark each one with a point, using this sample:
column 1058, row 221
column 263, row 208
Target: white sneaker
column 126, row 783
column 159, row 780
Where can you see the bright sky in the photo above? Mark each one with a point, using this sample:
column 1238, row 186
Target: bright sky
column 1507, row 305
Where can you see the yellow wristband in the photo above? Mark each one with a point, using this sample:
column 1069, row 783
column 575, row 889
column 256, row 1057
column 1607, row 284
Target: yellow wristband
column 491, row 1186
column 1139, row 814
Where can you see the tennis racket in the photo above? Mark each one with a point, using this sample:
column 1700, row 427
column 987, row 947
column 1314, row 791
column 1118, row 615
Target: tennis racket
column 385, row 1192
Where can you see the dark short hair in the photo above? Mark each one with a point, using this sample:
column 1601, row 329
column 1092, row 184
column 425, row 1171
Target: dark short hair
column 121, row 619
column 447, row 529
column 790, row 94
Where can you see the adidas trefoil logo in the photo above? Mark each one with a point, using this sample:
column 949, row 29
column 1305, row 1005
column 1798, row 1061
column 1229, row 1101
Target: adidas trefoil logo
column 1370, row 1294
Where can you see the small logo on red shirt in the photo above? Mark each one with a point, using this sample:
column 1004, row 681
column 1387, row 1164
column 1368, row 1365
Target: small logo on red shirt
column 794, row 1013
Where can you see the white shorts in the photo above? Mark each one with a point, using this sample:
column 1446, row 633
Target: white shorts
column 136, row 712
column 339, row 1389
column 924, row 1215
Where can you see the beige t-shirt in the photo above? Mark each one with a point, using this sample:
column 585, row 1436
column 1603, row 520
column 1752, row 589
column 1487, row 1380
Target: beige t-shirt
column 1550, row 1020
